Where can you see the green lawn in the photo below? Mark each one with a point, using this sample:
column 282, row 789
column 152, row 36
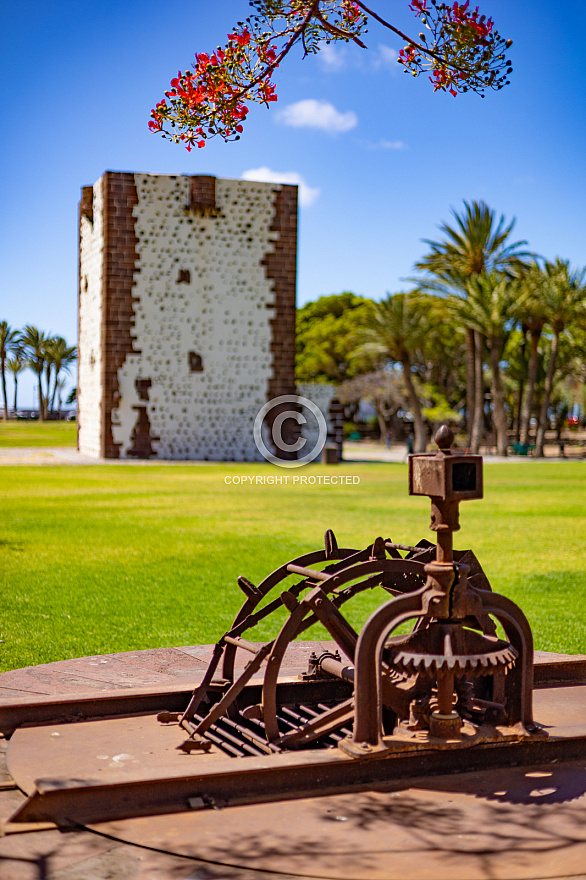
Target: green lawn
column 15, row 433
column 114, row 558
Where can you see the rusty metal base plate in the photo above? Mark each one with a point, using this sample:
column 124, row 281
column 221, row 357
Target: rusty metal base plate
column 522, row 824
column 515, row 823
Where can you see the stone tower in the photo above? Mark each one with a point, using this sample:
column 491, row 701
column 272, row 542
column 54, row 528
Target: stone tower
column 186, row 313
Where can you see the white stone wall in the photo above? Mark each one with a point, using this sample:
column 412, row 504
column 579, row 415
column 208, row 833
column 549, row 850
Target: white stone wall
column 222, row 315
column 90, row 373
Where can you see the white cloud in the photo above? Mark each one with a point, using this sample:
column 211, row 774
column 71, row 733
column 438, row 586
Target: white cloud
column 330, row 57
column 392, row 145
column 386, row 145
column 385, row 56
column 311, row 113
column 307, row 194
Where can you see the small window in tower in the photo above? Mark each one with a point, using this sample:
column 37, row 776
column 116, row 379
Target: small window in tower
column 195, row 362
column 142, row 386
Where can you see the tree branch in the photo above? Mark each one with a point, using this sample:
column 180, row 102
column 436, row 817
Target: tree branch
column 298, row 32
column 418, row 46
column 339, row 32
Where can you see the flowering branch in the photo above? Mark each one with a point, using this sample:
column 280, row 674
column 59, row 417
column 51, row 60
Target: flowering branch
column 465, row 54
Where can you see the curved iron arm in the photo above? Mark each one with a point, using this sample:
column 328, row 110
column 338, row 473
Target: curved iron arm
column 367, row 686
column 519, row 679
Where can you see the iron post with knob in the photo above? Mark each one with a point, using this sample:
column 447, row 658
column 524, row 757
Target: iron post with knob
column 447, row 478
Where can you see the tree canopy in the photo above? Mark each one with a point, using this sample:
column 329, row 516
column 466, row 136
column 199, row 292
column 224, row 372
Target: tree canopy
column 327, row 336
column 525, row 316
column 44, row 354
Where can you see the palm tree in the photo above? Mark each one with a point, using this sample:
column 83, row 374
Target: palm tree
column 8, row 342
column 33, row 342
column 394, row 329
column 534, row 318
column 490, row 309
column 63, row 356
column 48, row 369
column 443, row 364
column 477, row 244
column 59, row 357
column 563, row 296
column 517, row 358
column 16, row 364
column 59, row 389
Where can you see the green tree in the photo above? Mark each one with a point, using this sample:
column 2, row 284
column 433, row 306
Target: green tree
column 563, row 296
column 394, row 330
column 534, row 319
column 48, row 370
column 59, row 356
column 476, row 244
column 490, row 309
column 8, row 342
column 16, row 364
column 442, row 355
column 516, row 356
column 327, row 335
column 381, row 388
column 33, row 343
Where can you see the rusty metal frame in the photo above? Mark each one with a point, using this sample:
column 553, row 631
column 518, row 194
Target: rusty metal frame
column 273, row 778
column 144, row 701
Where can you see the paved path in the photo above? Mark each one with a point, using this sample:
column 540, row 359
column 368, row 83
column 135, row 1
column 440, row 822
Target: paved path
column 67, row 455
column 353, row 452
column 376, row 452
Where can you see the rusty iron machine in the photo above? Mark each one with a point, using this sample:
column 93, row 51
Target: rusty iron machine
column 438, row 681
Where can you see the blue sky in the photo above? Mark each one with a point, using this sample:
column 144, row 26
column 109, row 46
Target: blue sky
column 382, row 158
